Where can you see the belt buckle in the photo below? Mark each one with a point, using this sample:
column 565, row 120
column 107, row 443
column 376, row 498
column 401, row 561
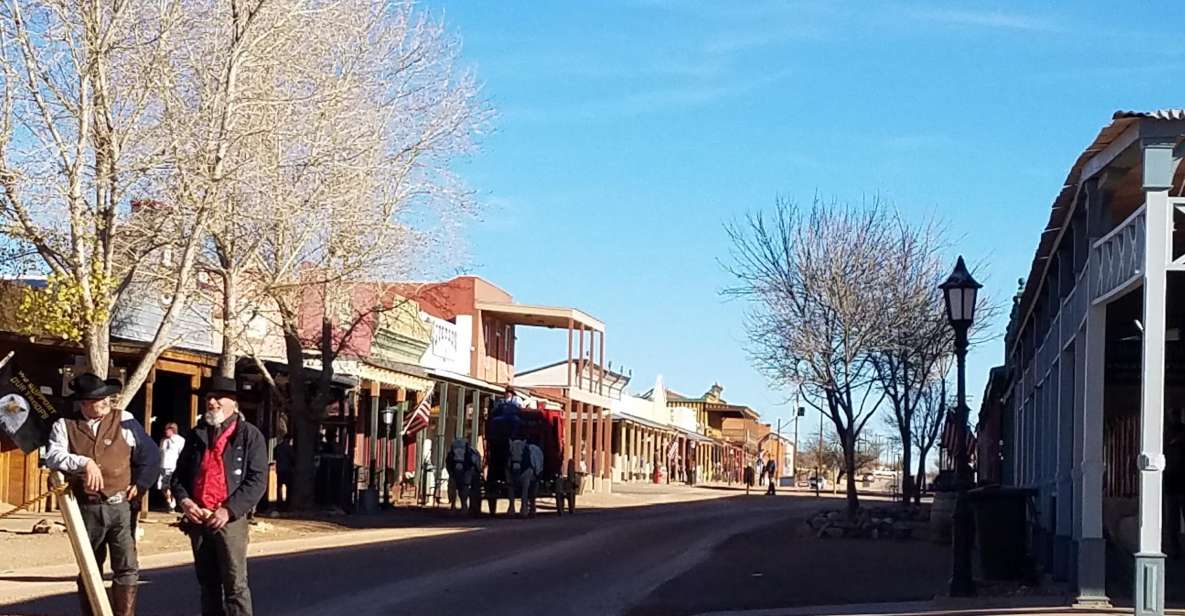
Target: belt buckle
column 114, row 499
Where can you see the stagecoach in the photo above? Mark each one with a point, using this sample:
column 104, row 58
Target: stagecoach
column 543, row 427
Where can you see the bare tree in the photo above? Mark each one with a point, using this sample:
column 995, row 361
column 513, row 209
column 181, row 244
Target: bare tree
column 118, row 138
column 815, row 285
column 358, row 191
column 906, row 360
column 930, row 416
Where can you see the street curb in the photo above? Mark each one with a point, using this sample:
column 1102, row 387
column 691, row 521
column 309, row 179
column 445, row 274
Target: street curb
column 936, row 607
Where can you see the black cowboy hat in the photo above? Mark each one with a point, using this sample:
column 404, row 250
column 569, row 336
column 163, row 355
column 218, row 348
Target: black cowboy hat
column 222, row 386
column 88, row 386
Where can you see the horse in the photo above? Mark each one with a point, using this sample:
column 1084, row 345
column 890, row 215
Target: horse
column 464, row 466
column 522, row 474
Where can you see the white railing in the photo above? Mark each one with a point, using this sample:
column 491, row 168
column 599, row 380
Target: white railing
column 1118, row 257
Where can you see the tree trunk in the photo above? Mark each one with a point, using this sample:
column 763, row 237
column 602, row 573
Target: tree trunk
column 849, row 462
column 301, row 422
column 97, row 343
column 230, row 311
column 921, row 477
column 907, row 484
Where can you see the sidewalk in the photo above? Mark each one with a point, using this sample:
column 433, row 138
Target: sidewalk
column 943, row 606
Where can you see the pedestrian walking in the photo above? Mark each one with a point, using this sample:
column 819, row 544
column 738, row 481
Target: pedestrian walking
column 771, row 472
column 170, row 450
column 110, row 460
column 285, row 456
column 220, row 478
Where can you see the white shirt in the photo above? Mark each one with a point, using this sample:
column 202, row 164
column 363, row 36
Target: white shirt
column 170, row 451
column 58, row 456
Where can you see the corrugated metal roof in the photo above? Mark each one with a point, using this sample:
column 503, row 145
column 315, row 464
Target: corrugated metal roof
column 1159, row 114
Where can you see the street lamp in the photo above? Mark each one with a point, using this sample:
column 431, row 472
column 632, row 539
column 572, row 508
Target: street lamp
column 959, row 293
column 388, row 416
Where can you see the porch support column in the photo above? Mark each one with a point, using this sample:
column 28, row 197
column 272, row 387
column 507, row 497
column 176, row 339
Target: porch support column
column 438, row 446
column 475, row 419
column 401, row 399
column 569, row 425
column 578, row 430
column 1063, row 539
column 1089, row 366
column 606, row 445
column 459, row 428
column 1158, row 176
column 588, row 433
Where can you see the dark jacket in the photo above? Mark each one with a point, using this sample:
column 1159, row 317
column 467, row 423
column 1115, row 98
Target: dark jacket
column 245, row 459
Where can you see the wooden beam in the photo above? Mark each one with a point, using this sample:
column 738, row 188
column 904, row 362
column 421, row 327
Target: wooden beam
column 195, row 386
column 177, row 367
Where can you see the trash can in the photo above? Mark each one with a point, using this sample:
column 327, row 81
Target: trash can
column 1001, row 527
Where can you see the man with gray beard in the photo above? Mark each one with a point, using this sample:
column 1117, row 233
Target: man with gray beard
column 220, row 477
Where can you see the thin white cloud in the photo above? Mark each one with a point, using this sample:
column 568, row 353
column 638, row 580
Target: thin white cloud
column 646, row 101
column 985, row 19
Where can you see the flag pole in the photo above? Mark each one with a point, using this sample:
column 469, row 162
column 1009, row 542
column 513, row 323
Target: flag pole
column 88, row 568
column 7, row 358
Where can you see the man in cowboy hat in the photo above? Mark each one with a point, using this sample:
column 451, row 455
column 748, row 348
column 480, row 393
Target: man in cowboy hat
column 110, row 460
column 220, row 477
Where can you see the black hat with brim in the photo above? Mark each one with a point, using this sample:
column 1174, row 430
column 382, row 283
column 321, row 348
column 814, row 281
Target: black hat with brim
column 88, row 386
column 221, row 386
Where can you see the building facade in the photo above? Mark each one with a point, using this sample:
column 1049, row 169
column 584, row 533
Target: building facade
column 1093, row 361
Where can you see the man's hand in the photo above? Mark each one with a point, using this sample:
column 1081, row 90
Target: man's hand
column 218, row 519
column 133, row 492
column 94, row 477
column 192, row 512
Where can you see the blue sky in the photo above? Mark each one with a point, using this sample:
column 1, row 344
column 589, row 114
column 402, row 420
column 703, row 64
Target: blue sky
column 628, row 133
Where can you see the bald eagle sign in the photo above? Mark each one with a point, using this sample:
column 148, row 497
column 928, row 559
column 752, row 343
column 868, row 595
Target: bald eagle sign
column 26, row 414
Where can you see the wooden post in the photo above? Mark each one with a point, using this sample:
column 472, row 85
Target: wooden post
column 438, row 446
column 459, row 427
column 149, row 386
column 588, row 431
column 601, row 366
column 578, row 432
column 606, row 444
column 580, row 361
column 373, row 447
column 88, row 567
column 475, row 420
column 401, row 399
column 570, row 435
column 195, row 386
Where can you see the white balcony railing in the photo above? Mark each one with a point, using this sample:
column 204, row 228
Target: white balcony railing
column 1117, row 258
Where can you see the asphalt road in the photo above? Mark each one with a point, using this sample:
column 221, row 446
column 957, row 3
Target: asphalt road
column 597, row 562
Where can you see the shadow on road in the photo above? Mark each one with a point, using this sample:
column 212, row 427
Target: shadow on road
column 282, row 583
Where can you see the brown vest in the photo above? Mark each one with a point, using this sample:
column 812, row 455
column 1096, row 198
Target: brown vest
column 106, row 447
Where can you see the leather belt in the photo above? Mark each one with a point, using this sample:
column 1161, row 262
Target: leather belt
column 98, row 499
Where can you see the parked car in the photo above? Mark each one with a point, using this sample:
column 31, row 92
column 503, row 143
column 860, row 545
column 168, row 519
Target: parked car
column 818, row 483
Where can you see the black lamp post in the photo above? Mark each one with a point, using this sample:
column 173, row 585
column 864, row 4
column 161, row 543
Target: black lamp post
column 959, row 293
column 388, row 416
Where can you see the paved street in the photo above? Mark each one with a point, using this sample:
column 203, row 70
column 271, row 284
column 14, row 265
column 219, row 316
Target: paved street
column 597, row 562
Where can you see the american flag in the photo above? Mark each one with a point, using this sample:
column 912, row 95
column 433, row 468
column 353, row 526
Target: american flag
column 671, row 449
column 419, row 418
